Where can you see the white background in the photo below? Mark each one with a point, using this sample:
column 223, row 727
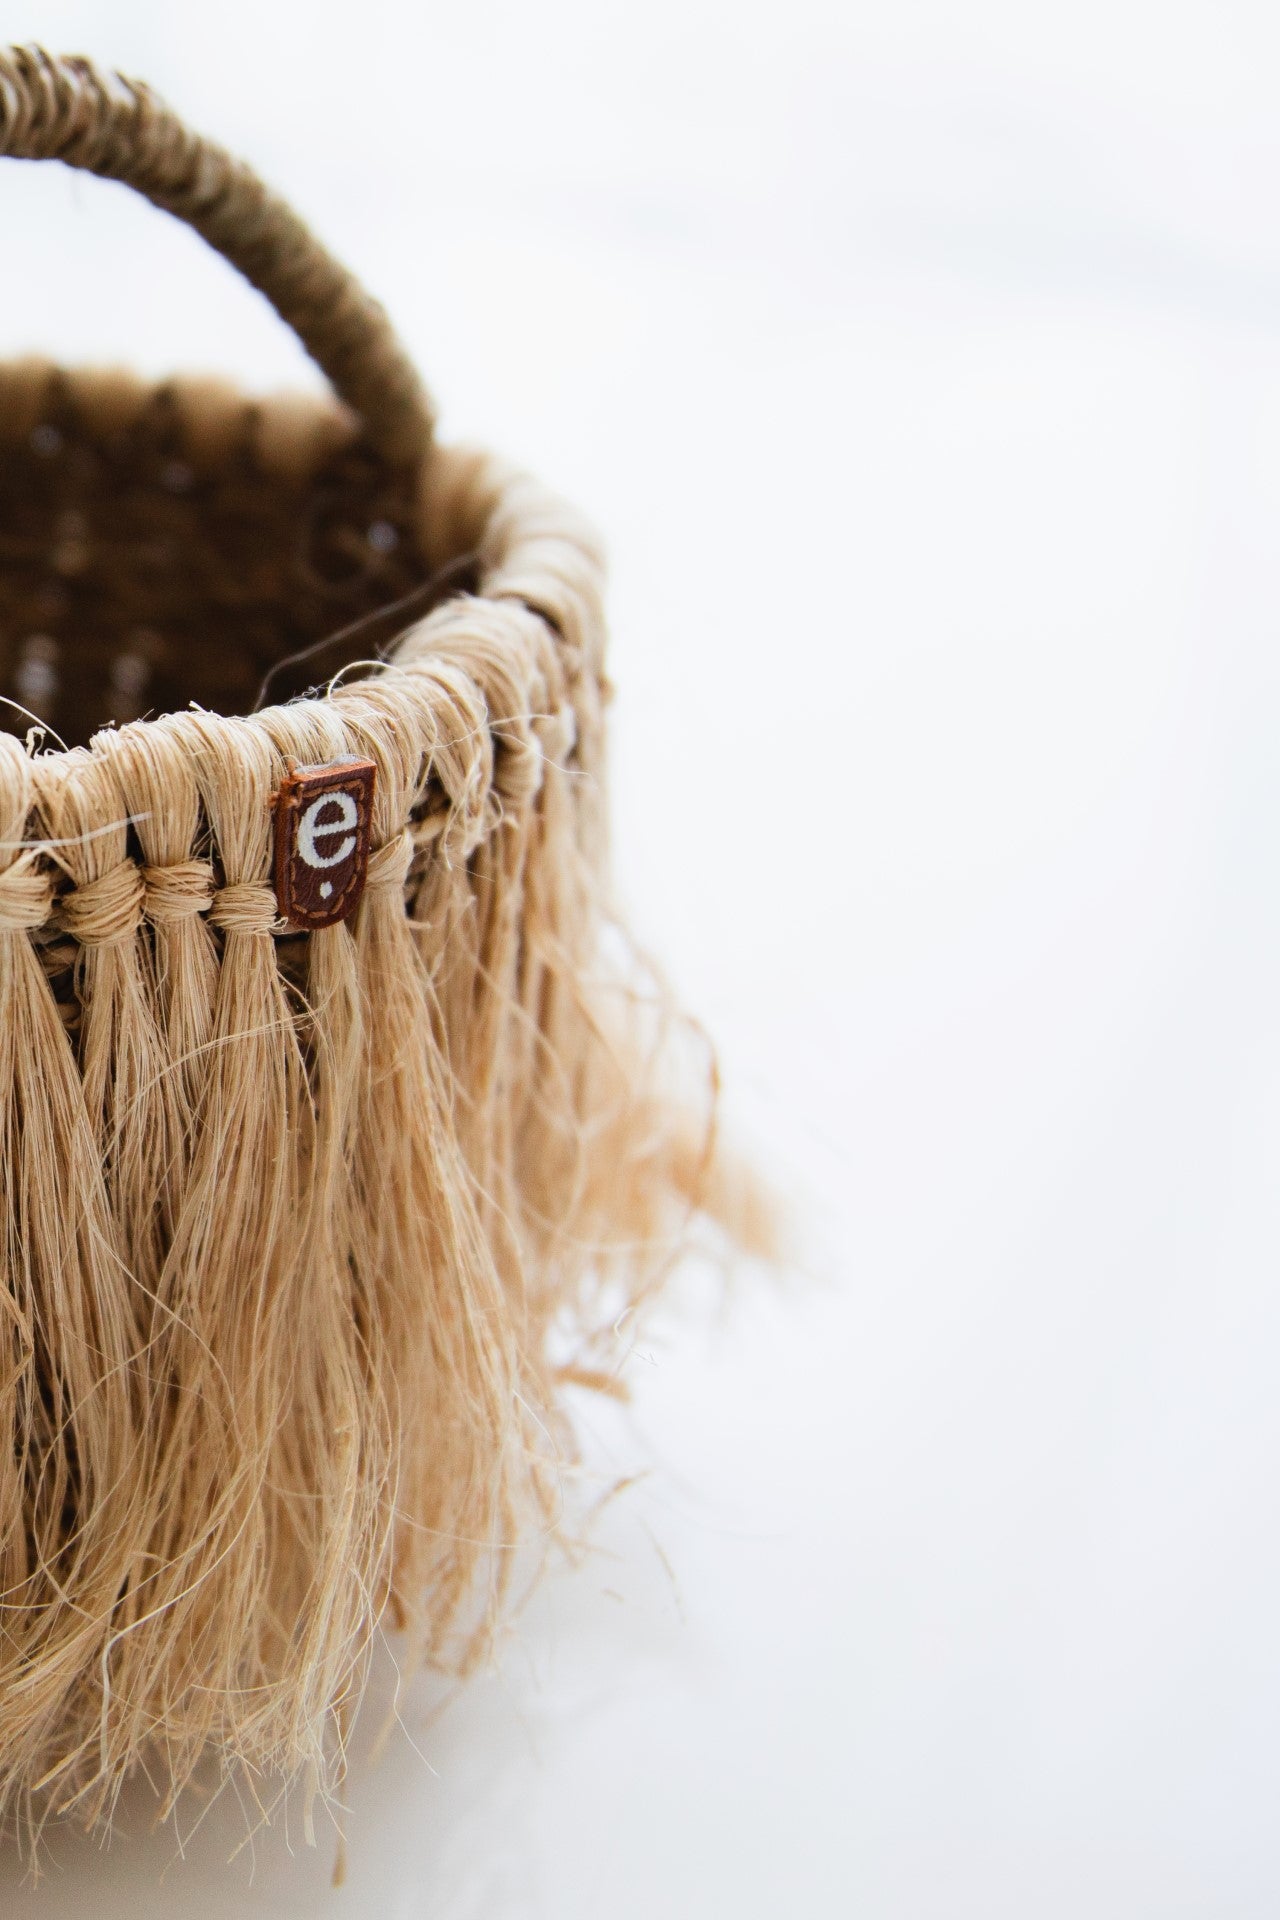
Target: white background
column 921, row 364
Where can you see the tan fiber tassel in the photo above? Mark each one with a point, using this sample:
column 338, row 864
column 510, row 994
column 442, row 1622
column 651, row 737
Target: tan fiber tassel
column 72, row 1530
column 450, row 1356
column 132, row 1099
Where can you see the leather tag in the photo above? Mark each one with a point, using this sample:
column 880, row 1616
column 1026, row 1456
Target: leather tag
column 323, row 819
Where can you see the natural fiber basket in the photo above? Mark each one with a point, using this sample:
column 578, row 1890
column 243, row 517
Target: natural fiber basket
column 333, row 1142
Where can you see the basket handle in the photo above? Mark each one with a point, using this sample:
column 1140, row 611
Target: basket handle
column 62, row 107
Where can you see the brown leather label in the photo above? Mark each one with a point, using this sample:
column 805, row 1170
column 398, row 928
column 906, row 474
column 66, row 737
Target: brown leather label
column 323, row 819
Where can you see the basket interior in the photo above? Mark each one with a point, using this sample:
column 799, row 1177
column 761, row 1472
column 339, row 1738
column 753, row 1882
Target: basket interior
column 175, row 544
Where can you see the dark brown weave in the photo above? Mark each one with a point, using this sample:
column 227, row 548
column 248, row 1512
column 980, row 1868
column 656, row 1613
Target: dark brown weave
column 136, row 578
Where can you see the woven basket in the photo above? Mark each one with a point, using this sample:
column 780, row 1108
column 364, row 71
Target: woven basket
column 332, row 1147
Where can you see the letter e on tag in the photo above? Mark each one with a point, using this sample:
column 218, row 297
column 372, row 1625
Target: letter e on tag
column 323, row 818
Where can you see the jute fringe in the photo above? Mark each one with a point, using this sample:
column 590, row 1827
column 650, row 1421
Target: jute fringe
column 301, row 1234
column 290, row 1222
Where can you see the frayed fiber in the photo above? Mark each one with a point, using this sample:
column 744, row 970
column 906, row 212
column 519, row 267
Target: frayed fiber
column 302, row 1231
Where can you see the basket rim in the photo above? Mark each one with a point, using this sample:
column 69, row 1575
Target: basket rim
column 459, row 717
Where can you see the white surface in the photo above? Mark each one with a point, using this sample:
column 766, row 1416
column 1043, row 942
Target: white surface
column 922, row 364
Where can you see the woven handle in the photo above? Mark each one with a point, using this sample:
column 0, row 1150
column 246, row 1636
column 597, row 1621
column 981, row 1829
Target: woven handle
column 64, row 108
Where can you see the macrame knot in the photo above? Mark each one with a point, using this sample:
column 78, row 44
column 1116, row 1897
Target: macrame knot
column 107, row 911
column 26, row 896
column 517, row 762
column 245, row 909
column 557, row 732
column 389, row 865
column 178, row 891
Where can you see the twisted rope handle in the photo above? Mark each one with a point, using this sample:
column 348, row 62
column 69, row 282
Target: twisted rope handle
column 64, row 108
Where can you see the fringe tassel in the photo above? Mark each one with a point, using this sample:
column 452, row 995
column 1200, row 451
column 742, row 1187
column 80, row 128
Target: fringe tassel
column 75, row 1474
column 451, row 1354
